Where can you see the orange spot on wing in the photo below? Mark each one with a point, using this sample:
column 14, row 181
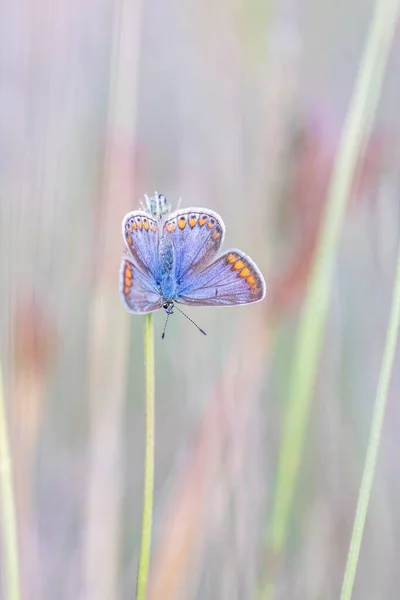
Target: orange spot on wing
column 231, row 259
column 244, row 272
column 170, row 226
column 140, row 225
column 215, row 235
column 134, row 225
column 250, row 280
column 192, row 221
column 126, row 290
column 129, row 239
column 210, row 225
column 146, row 225
column 128, row 282
column 239, row 264
column 181, row 222
column 128, row 273
column 154, row 228
column 202, row 220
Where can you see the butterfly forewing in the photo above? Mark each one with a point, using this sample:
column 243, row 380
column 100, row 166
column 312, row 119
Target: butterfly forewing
column 138, row 291
column 140, row 233
column 232, row 279
column 197, row 235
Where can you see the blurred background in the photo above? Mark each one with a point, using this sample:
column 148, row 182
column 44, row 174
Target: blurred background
column 237, row 107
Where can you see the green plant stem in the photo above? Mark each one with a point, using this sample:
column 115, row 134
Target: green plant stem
column 374, row 440
column 7, row 509
column 144, row 558
column 313, row 317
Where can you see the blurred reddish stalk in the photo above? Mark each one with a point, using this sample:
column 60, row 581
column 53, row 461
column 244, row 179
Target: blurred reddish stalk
column 34, row 345
column 307, row 196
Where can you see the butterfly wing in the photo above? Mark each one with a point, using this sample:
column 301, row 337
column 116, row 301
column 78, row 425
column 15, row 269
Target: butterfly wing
column 138, row 291
column 196, row 235
column 140, row 233
column 232, row 279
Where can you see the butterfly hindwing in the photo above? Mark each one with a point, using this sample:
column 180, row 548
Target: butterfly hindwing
column 138, row 291
column 140, row 232
column 232, row 279
column 197, row 235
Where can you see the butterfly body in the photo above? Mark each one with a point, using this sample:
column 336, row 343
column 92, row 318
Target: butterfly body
column 166, row 279
column 173, row 258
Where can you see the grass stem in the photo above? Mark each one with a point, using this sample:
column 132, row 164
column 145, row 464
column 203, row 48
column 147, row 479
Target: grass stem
column 374, row 440
column 7, row 509
column 144, row 558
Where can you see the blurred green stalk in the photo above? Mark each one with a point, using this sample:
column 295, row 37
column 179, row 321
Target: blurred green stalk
column 7, row 509
column 144, row 558
column 312, row 320
column 374, row 439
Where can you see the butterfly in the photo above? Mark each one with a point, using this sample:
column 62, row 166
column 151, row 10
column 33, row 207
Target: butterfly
column 172, row 258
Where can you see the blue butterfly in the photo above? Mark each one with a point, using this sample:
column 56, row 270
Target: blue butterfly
column 172, row 258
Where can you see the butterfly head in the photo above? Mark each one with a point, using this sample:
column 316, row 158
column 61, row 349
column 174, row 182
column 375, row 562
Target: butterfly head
column 168, row 306
column 157, row 205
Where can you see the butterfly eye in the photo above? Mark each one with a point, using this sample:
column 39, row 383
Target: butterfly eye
column 165, row 305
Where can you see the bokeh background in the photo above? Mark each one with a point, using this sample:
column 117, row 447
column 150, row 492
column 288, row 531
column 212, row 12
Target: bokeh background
column 238, row 107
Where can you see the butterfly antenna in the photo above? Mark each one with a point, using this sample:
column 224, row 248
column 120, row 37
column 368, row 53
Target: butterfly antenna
column 191, row 320
column 165, row 326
